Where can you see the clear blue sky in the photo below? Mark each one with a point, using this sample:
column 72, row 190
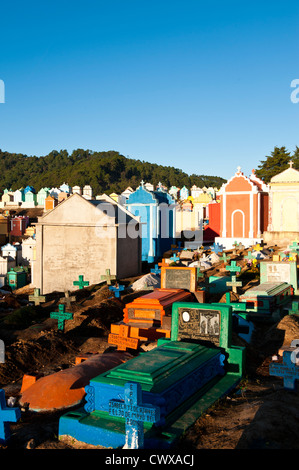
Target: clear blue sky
column 200, row 85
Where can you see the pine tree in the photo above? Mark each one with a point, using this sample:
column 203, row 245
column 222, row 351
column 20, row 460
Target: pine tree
column 274, row 164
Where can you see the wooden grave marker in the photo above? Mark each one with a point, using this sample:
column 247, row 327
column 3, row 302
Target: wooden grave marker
column 36, row 297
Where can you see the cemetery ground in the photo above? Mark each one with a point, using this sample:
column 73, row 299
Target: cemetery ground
column 258, row 414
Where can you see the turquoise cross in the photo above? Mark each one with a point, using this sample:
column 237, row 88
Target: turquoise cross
column 135, row 413
column 61, row 316
column 81, row 283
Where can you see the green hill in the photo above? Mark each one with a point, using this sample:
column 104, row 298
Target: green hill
column 104, row 171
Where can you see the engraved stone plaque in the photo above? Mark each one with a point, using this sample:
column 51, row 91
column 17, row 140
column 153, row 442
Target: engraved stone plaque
column 177, row 279
column 199, row 324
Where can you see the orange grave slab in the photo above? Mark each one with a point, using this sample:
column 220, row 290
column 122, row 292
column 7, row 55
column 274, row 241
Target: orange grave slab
column 147, row 318
column 151, row 308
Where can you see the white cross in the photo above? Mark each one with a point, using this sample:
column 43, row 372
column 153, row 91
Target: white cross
column 239, row 169
column 291, row 163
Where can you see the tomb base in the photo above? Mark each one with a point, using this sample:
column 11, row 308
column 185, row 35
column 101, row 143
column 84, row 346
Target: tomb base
column 181, row 379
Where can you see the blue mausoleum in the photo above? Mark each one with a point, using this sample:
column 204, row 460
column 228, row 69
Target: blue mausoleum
column 156, row 210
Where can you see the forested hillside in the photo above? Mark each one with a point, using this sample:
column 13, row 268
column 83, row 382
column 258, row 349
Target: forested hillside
column 104, row 171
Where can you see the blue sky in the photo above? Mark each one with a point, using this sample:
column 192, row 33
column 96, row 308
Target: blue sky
column 203, row 86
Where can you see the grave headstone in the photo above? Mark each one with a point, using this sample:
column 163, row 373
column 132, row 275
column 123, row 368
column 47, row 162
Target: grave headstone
column 36, row 297
column 135, row 413
column 279, row 271
column 179, row 277
column 233, row 268
column 117, row 290
column 7, row 415
column 122, row 339
column 81, row 283
column 108, row 277
column 234, row 284
column 288, row 370
column 61, row 316
column 224, row 257
column 67, row 299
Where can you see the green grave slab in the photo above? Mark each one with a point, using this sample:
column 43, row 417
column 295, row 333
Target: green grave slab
column 267, row 300
column 170, row 377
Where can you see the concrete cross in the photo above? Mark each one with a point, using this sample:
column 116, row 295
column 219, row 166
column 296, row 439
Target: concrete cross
column 294, row 247
column 233, row 268
column 117, row 290
column 156, row 270
column 217, row 248
column 135, row 413
column 234, row 284
column 258, row 247
column 249, row 256
column 224, row 257
column 288, row 370
column 61, row 316
column 108, row 277
column 36, row 297
column 122, row 340
column 163, row 264
column 67, row 299
column 81, row 283
column 174, row 258
column 7, row 415
column 295, row 309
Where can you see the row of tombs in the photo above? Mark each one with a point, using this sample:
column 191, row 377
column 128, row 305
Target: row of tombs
column 149, row 400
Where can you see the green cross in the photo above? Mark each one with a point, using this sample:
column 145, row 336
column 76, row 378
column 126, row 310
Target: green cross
column 108, row 277
column 233, row 267
column 234, row 284
column 294, row 247
column 61, row 316
column 37, row 298
column 81, row 283
column 295, row 309
column 224, row 257
column 249, row 255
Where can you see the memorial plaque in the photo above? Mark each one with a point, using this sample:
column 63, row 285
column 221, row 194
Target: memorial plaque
column 199, row 324
column 123, row 342
column 179, row 278
column 208, row 323
column 278, row 272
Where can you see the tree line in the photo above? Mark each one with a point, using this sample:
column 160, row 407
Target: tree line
column 278, row 161
column 103, row 171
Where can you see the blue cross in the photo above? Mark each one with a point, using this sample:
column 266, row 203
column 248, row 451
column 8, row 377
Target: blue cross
column 117, row 290
column 7, row 415
column 179, row 249
column 135, row 414
column 156, row 270
column 175, row 258
column 287, row 370
column 217, row 248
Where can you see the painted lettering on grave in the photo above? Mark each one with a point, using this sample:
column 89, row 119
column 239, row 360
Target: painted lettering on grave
column 279, row 272
column 123, row 342
column 199, row 324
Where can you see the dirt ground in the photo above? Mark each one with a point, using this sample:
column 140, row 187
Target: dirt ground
column 258, row 414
